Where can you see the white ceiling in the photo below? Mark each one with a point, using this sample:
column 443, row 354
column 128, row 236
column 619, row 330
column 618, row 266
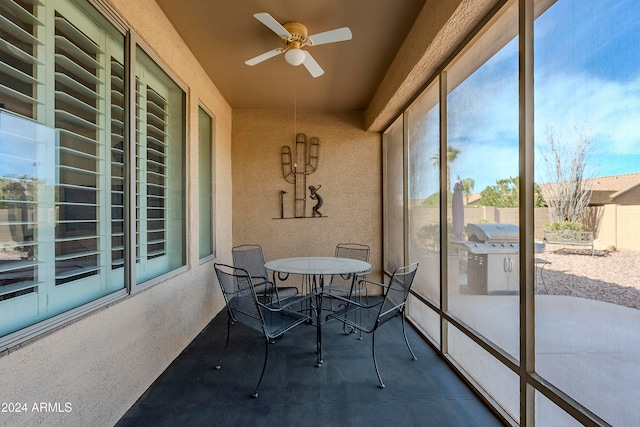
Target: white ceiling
column 223, row 34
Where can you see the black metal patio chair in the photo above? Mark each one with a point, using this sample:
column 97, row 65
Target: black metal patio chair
column 244, row 307
column 348, row 285
column 391, row 305
column 251, row 259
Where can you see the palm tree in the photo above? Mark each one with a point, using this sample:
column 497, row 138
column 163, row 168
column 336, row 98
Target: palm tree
column 452, row 154
column 467, row 187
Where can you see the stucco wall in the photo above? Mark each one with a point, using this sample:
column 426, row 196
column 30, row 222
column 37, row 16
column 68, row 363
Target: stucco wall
column 349, row 171
column 103, row 362
column 619, row 227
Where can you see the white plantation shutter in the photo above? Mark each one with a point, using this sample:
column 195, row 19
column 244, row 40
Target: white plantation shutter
column 63, row 139
column 79, row 92
column 159, row 171
column 117, row 164
column 155, row 173
column 66, row 177
column 18, row 56
column 18, row 44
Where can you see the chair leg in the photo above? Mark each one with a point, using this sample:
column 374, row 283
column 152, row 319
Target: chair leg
column 226, row 344
column 406, row 340
column 264, row 367
column 360, row 317
column 375, row 363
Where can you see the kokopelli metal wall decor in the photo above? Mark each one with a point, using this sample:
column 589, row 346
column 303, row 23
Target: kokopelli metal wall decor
column 295, row 169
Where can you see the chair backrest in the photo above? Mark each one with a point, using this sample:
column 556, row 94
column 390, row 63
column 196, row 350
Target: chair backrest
column 352, row 251
column 240, row 296
column 251, row 259
column 396, row 293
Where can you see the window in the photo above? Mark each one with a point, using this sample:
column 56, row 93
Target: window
column 483, row 150
column 423, row 128
column 586, row 92
column 423, row 119
column 205, row 184
column 63, row 145
column 61, row 160
column 573, row 329
column 393, row 194
column 160, row 181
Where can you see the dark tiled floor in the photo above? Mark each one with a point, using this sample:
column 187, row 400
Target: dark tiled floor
column 344, row 391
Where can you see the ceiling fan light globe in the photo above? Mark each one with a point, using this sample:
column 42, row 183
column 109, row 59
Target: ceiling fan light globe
column 295, row 56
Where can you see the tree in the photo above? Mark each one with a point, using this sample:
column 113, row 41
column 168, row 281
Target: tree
column 567, row 193
column 467, row 187
column 452, row 154
column 506, row 194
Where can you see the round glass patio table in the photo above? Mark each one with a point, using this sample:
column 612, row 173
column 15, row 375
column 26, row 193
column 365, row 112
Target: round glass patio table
column 316, row 268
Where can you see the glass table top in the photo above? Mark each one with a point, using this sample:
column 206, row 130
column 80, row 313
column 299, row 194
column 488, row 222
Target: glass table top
column 318, row 265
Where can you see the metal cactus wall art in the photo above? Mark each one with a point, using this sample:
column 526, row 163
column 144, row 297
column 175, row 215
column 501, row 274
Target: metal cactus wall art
column 295, row 169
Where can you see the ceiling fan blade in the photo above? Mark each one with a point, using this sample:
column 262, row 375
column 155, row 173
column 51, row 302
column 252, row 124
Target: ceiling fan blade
column 273, row 25
column 337, row 35
column 263, row 57
column 312, row 66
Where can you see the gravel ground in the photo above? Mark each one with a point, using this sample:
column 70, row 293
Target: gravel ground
column 607, row 276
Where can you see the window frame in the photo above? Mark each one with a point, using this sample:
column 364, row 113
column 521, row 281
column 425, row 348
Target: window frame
column 134, row 285
column 211, row 185
column 89, row 9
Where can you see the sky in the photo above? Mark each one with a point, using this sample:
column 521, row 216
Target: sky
column 586, row 82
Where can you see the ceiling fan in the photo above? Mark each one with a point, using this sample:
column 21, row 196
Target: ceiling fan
column 294, row 35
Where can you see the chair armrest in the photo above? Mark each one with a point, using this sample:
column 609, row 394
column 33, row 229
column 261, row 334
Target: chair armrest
column 350, row 301
column 295, row 300
column 290, row 302
column 382, row 285
column 341, row 298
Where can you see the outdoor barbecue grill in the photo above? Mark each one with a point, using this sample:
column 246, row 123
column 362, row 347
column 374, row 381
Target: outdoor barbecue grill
column 493, row 263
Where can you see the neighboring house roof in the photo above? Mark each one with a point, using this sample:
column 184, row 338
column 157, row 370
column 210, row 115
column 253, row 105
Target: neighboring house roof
column 617, row 184
column 609, row 189
column 472, row 199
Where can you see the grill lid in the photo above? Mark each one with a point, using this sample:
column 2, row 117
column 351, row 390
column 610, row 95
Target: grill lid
column 487, row 233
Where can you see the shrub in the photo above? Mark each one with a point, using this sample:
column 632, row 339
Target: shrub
column 564, row 225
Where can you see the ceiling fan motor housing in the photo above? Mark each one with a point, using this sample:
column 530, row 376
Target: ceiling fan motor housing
column 298, row 33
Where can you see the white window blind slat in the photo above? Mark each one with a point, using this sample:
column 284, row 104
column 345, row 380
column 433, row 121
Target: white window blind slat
column 77, row 136
column 78, row 153
column 17, row 74
column 75, row 273
column 79, row 37
column 79, row 56
column 33, row 2
column 68, row 117
column 77, row 104
column 87, row 77
column 79, row 88
column 19, row 33
column 158, row 112
column 19, row 95
column 21, row 13
column 156, row 132
column 18, row 53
